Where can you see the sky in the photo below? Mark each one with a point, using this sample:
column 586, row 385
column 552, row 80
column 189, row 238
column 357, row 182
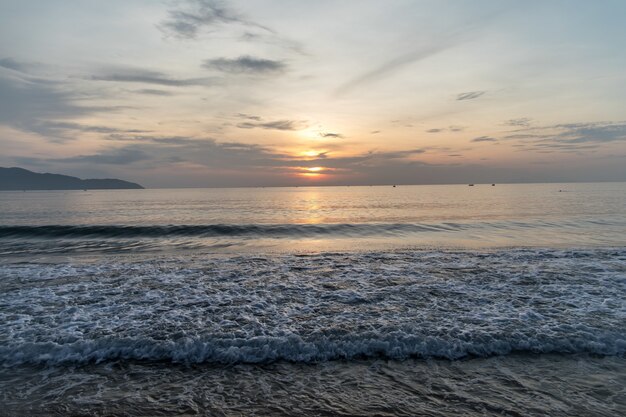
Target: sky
column 203, row 93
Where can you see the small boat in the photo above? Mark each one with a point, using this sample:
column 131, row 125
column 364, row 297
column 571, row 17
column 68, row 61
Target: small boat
column 470, row 185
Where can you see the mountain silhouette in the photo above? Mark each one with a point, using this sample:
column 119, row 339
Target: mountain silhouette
column 23, row 179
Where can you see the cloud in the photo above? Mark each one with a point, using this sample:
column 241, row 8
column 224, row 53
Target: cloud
column 184, row 161
column 153, row 92
column 122, row 156
column 60, row 125
column 484, row 139
column 40, row 106
column 444, row 129
column 572, row 133
column 195, row 15
column 592, row 132
column 248, row 117
column 245, row 65
column 427, row 49
column 580, row 138
column 394, row 64
column 520, row 122
column 12, row 64
column 331, row 135
column 147, row 150
column 276, row 125
column 135, row 75
column 471, row 95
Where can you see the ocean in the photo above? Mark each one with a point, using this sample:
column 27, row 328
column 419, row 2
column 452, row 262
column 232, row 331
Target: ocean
column 505, row 300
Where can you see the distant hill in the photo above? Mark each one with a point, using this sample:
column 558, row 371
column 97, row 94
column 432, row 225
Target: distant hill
column 23, row 179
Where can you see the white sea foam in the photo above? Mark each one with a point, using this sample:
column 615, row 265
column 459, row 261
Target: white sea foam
column 315, row 308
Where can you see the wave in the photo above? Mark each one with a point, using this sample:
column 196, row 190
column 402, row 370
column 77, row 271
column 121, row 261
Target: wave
column 273, row 230
column 214, row 230
column 314, row 307
column 293, row 348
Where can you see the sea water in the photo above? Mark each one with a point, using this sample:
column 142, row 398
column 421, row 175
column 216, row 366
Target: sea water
column 414, row 300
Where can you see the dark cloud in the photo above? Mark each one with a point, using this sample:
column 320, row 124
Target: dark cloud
column 572, row 133
column 484, row 139
column 156, row 150
column 187, row 21
column 135, row 75
column 154, row 92
column 122, row 156
column 59, row 125
column 332, row 135
column 162, row 159
column 12, row 64
column 277, row 125
column 40, row 106
column 245, row 65
column 470, row 95
column 592, row 132
column 444, row 129
column 578, row 138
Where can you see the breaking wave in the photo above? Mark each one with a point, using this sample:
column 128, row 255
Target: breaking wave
column 311, row 308
column 395, row 345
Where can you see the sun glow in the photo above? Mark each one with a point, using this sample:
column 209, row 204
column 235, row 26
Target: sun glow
column 312, row 172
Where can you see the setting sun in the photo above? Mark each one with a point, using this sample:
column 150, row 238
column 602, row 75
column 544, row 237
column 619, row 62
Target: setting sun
column 310, row 154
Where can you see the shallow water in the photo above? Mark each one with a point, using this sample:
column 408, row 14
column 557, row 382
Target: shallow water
column 513, row 385
column 450, row 300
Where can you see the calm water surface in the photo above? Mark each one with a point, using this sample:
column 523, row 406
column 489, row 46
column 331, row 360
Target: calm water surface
column 314, row 219
column 414, row 300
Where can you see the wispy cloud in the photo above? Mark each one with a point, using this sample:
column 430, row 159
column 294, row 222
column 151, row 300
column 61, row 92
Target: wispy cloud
column 41, row 106
column 446, row 129
column 484, row 139
column 579, row 138
column 136, row 75
column 245, row 65
column 154, row 92
column 122, row 156
column 276, row 125
column 192, row 16
column 427, row 49
column 71, row 126
column 573, row 133
column 394, row 64
column 12, row 64
column 470, row 95
column 248, row 117
column 519, row 122
column 331, row 135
